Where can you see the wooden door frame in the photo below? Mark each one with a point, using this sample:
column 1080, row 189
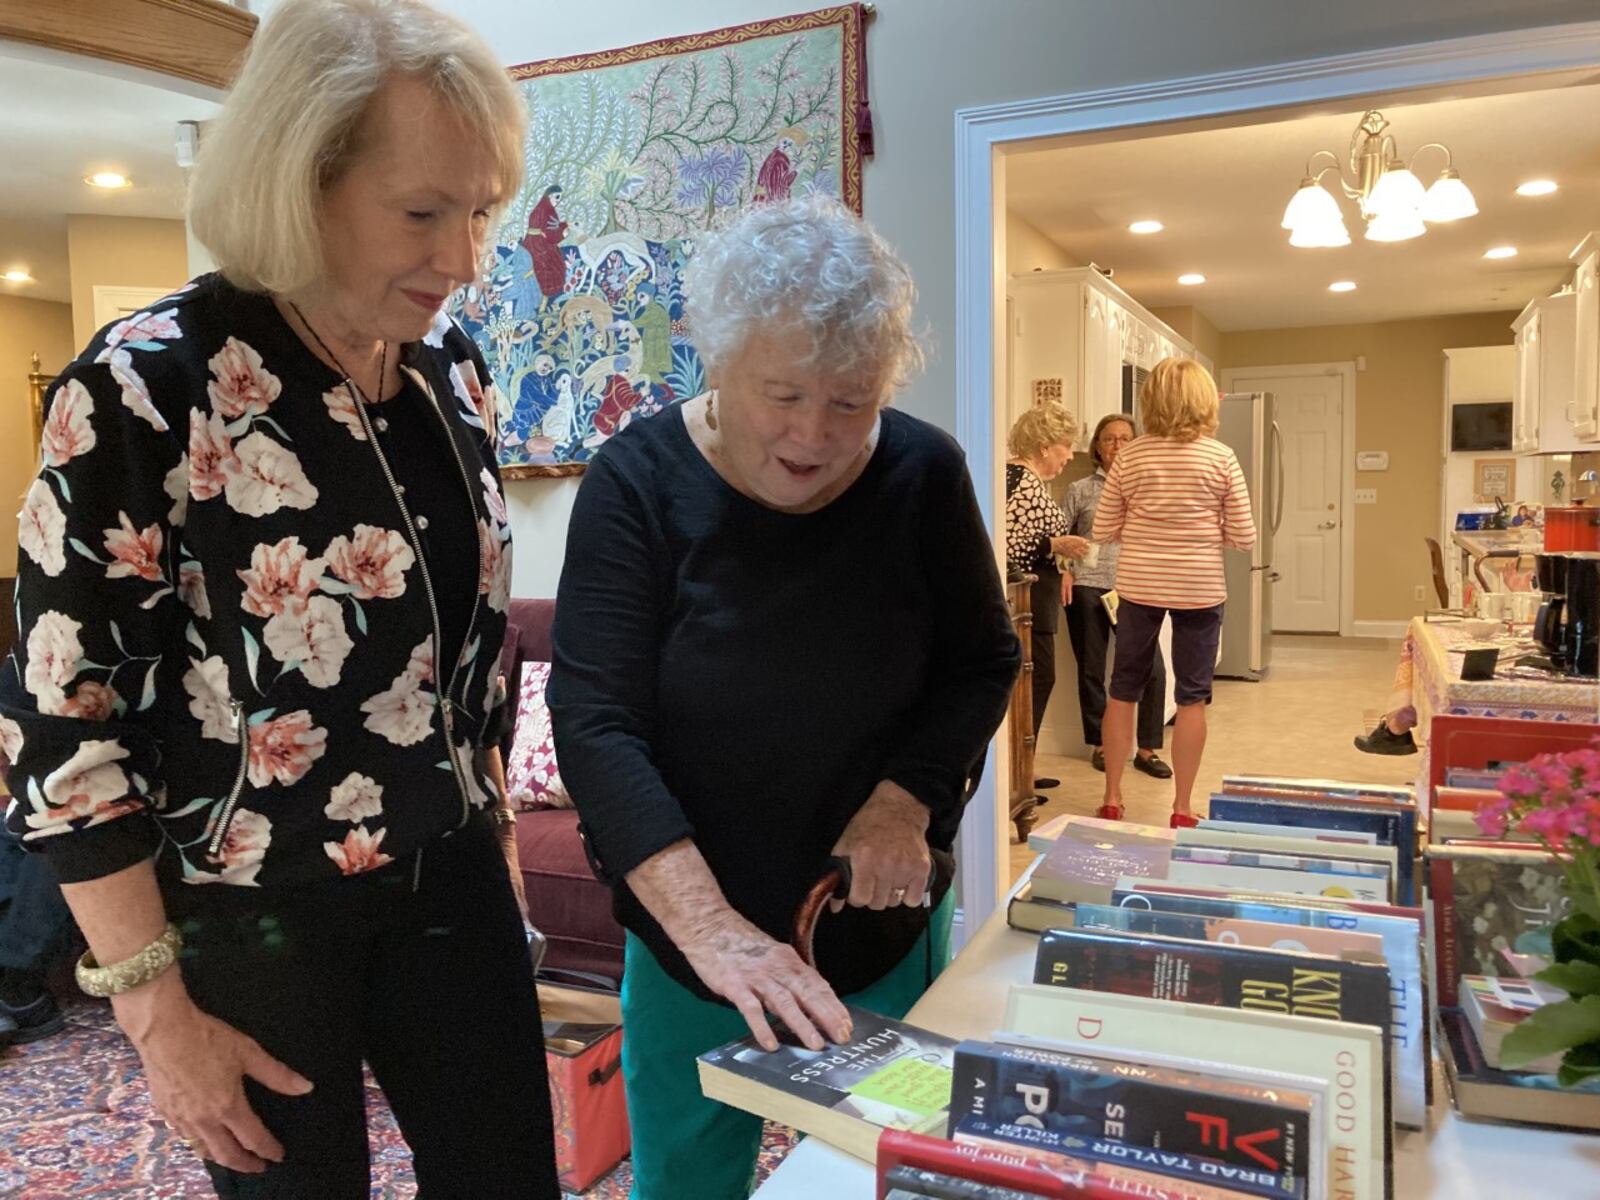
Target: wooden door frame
column 1346, row 373
column 986, row 133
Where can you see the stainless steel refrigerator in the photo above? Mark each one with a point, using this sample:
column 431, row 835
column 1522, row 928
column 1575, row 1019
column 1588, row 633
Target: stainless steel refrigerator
column 1249, row 425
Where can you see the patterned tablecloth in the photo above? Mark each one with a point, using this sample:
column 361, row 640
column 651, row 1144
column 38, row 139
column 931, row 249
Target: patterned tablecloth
column 1435, row 651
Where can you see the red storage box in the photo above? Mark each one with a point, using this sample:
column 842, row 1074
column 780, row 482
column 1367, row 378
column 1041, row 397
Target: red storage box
column 583, row 1051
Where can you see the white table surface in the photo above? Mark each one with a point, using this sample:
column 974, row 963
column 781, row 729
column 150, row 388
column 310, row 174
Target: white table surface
column 1455, row 1160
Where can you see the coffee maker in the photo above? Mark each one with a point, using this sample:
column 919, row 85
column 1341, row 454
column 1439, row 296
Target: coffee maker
column 1568, row 625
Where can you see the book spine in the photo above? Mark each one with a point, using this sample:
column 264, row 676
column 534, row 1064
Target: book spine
column 919, row 1181
column 997, row 1164
column 1059, row 1097
column 1446, row 954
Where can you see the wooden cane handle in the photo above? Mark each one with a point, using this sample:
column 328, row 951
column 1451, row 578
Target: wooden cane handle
column 810, row 910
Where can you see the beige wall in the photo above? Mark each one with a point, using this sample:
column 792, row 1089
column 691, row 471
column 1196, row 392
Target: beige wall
column 1027, row 249
column 928, row 58
column 1399, row 408
column 121, row 252
column 27, row 327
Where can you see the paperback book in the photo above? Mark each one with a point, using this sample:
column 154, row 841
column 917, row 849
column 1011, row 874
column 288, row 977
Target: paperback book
column 1349, row 1057
column 1291, row 874
column 890, row 1076
column 1264, row 935
column 1483, row 1093
column 1340, row 836
column 1088, row 856
column 1393, row 823
column 1494, row 1007
column 1378, row 860
column 1079, row 1101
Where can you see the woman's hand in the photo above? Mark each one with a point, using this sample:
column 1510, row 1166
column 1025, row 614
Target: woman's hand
column 196, row 1066
column 1066, row 589
column 1069, row 545
column 887, row 845
column 506, row 834
column 758, row 974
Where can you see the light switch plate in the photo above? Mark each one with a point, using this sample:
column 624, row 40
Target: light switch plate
column 1366, row 495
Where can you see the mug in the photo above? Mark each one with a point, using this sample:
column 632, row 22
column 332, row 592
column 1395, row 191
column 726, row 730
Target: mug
column 1492, row 605
column 1524, row 606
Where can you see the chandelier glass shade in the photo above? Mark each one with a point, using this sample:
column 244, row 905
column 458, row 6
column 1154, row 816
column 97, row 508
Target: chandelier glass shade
column 1392, row 200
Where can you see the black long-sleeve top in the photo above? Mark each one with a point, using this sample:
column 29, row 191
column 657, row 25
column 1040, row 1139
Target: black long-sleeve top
column 745, row 677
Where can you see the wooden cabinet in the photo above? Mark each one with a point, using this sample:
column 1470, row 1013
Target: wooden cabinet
column 1078, row 327
column 1023, row 801
column 1586, row 346
column 1542, row 393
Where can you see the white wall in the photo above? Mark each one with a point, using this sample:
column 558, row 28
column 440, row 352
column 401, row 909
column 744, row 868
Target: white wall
column 927, row 58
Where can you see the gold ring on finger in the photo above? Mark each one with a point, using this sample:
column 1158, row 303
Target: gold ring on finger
column 898, row 895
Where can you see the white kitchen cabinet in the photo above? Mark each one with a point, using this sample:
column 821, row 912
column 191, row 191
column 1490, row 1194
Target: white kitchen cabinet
column 1586, row 344
column 1546, row 334
column 1078, row 327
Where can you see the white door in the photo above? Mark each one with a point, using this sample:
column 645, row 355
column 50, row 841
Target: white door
column 1311, row 418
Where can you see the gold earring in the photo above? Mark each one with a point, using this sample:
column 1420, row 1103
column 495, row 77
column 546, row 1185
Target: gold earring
column 711, row 412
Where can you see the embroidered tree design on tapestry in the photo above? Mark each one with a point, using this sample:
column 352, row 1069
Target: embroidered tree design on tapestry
column 632, row 155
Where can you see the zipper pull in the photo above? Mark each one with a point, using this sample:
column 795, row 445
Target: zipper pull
column 447, row 707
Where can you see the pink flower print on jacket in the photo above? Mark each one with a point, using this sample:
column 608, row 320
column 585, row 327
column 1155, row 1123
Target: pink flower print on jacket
column 268, row 477
column 134, row 552
column 402, row 714
column 91, row 702
column 281, row 576
column 283, row 749
column 145, row 333
column 249, row 837
column 373, row 562
column 312, row 634
column 494, row 568
column 42, row 533
column 10, row 740
column 89, row 784
column 469, row 394
column 359, row 851
column 240, row 385
column 209, row 701
column 212, row 461
column 67, row 431
column 54, row 652
column 342, row 408
column 356, row 799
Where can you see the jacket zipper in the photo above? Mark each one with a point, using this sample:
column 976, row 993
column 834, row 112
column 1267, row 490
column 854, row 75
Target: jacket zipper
column 225, row 818
column 442, row 696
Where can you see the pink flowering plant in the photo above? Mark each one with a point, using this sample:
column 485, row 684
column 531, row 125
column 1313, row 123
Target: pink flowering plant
column 1556, row 799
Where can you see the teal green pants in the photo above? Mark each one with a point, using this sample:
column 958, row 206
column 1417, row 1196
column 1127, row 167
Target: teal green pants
column 686, row 1147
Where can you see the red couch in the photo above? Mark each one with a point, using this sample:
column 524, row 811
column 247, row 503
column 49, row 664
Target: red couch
column 567, row 903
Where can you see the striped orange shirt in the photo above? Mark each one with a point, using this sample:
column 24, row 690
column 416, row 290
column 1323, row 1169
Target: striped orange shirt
column 1173, row 506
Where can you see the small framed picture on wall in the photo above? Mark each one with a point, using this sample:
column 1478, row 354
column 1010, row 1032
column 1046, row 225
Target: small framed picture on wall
column 1046, row 391
column 1494, row 479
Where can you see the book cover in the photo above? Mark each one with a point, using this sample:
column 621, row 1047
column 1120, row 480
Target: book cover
column 912, row 1183
column 1353, row 836
column 1089, row 855
column 1265, row 935
column 1486, row 898
column 1378, row 862
column 1401, row 933
column 1191, row 1169
column 1494, row 1007
column 1348, row 1056
column 1483, row 1093
column 1396, row 826
column 1053, row 1177
column 891, row 1075
column 1100, row 1099
column 1397, row 793
column 1286, row 880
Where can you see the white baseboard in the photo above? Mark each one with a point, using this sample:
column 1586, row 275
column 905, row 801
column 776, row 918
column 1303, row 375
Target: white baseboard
column 1379, row 629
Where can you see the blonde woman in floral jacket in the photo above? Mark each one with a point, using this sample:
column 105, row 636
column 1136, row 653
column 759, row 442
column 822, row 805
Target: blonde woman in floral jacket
column 262, row 591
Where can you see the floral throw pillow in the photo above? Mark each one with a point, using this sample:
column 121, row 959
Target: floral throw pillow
column 532, row 778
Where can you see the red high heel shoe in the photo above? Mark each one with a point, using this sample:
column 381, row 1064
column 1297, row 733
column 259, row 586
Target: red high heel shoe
column 1184, row 820
column 1109, row 812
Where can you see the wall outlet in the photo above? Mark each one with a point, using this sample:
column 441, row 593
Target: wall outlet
column 1366, row 495
column 1417, row 593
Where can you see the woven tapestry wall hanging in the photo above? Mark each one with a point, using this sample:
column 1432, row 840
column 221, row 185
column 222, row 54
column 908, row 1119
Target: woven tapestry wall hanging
column 631, row 155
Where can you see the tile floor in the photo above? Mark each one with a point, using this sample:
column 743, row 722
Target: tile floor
column 1319, row 693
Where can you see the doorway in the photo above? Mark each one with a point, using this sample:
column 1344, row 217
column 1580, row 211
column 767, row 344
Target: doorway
column 1315, row 543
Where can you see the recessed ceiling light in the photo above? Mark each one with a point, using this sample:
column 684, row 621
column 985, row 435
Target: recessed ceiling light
column 1192, row 278
column 1342, row 285
column 17, row 276
column 1146, row 227
column 1538, row 187
column 1500, row 252
column 109, row 180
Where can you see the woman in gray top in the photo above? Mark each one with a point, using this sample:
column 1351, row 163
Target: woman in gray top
column 1089, row 626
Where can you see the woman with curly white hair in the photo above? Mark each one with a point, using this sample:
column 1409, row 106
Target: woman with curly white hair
column 780, row 638
column 264, row 588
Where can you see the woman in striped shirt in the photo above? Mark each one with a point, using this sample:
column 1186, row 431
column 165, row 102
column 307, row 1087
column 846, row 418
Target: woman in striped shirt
column 1174, row 499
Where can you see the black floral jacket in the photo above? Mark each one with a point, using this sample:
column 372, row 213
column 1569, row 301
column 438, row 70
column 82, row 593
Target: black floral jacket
column 227, row 626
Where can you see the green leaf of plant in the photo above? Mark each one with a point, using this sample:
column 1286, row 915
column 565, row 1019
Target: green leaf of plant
column 1576, row 937
column 1586, row 903
column 1581, row 1063
column 1576, row 978
column 1551, row 1030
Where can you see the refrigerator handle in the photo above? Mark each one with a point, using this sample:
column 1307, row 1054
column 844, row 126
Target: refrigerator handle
column 1277, row 510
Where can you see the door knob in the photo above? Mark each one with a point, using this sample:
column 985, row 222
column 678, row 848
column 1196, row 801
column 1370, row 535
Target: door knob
column 1329, row 525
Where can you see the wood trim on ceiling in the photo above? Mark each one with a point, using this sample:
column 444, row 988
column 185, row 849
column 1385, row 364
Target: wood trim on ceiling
column 201, row 41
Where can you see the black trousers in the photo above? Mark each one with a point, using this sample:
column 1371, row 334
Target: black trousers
column 36, row 927
column 1045, row 602
column 1089, row 628
column 420, row 969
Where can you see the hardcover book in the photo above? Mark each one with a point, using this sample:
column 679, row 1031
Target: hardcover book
column 1494, row 1007
column 1089, row 855
column 1348, row 1056
column 1080, row 1100
column 1341, row 836
column 1393, row 824
column 1401, row 933
column 1483, row 1093
column 1205, row 871
column 1394, row 793
column 1486, row 898
column 1296, row 841
column 1264, row 935
column 890, row 1076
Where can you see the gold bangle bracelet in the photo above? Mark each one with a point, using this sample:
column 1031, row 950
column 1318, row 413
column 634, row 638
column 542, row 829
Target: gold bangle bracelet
column 504, row 816
column 132, row 972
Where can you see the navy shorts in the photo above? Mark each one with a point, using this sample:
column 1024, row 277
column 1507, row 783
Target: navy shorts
column 1195, row 634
